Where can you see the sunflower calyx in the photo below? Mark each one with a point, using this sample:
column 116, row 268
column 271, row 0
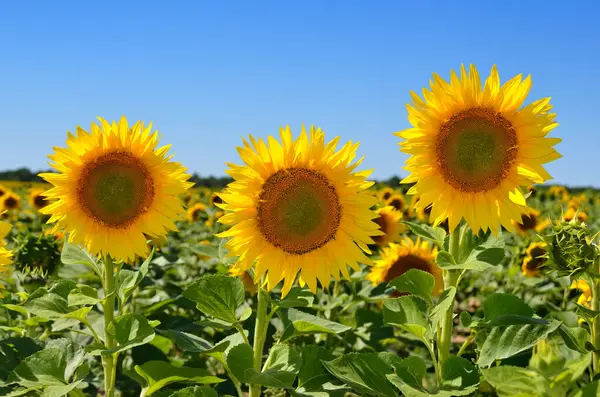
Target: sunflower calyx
column 570, row 248
column 36, row 255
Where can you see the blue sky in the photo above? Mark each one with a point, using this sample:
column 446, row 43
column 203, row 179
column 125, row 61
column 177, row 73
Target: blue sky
column 208, row 72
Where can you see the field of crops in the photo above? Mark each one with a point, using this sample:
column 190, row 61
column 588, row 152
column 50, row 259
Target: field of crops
column 302, row 278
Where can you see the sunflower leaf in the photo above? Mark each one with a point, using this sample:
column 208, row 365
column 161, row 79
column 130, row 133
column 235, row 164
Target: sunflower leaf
column 128, row 280
column 515, row 381
column 195, row 391
column 435, row 234
column 415, row 282
column 130, row 330
column 409, row 313
column 217, row 296
column 158, row 374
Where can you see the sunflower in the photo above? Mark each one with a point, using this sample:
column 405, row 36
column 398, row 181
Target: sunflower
column 397, row 201
column 196, row 212
column 298, row 208
column 10, row 201
column 472, row 149
column 37, row 199
column 386, row 193
column 586, row 292
column 3, row 190
column 389, row 223
column 572, row 213
column 533, row 259
column 5, row 254
column 531, row 221
column 114, row 188
column 396, row 259
column 215, row 199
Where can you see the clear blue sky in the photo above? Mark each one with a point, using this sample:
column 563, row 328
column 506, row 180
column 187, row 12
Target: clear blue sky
column 208, row 72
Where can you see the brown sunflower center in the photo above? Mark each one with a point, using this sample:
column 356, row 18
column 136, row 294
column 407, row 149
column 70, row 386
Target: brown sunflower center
column 386, row 195
column 529, row 222
column 39, row 201
column 216, row 199
column 299, row 210
column 11, row 203
column 384, row 224
column 476, row 149
column 2, row 192
column 115, row 189
column 404, row 264
column 397, row 203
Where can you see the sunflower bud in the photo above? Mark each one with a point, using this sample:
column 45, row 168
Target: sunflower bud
column 36, row 255
column 570, row 247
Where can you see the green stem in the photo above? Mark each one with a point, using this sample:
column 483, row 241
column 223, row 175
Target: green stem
column 109, row 360
column 595, row 289
column 451, row 278
column 260, row 334
column 241, row 331
column 465, row 345
column 434, row 360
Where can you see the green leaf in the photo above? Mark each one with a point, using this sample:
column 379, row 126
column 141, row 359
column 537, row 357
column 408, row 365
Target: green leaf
column 574, row 338
column 72, row 255
column 435, row 234
column 365, row 373
column 572, row 371
column 188, row 342
column 503, row 342
column 445, row 260
column 313, row 379
column 297, row 297
column 158, row 374
column 128, row 280
column 590, row 390
column 217, row 295
column 499, row 305
column 438, row 312
column 408, row 313
column 83, row 295
column 280, row 369
column 300, row 323
column 53, row 366
column 460, row 377
column 515, row 381
column 415, row 282
column 465, row 319
column 409, row 375
column 130, row 330
column 50, row 303
column 195, row 391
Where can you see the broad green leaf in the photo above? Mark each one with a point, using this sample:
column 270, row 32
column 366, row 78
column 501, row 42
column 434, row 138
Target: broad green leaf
column 445, row 260
column 515, row 381
column 79, row 314
column 280, row 369
column 83, row 295
column 590, row 390
column 415, row 282
column 50, row 303
column 574, row 338
column 365, row 373
column 188, row 342
column 301, row 323
column 408, row 313
column 13, row 351
column 53, row 366
column 195, row 391
column 72, row 255
column 313, row 379
column 409, row 375
column 217, row 296
column 438, row 312
column 158, row 374
column 461, row 378
column 435, row 234
column 297, row 297
column 128, row 280
column 572, row 371
column 504, row 342
column 465, row 319
column 499, row 305
column 130, row 330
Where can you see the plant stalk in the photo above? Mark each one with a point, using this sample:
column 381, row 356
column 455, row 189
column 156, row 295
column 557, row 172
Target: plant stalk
column 595, row 289
column 109, row 361
column 260, row 334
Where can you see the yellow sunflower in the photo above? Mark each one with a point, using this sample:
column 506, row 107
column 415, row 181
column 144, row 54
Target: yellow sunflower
column 37, row 199
column 586, row 292
column 114, row 188
column 3, row 190
column 10, row 201
column 215, row 199
column 5, row 254
column 396, row 259
column 386, row 193
column 472, row 148
column 389, row 223
column 533, row 259
column 195, row 212
column 397, row 201
column 298, row 208
column 531, row 221
column 572, row 213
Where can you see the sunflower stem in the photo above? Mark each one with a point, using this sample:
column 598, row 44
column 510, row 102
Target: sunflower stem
column 595, row 289
column 109, row 360
column 260, row 334
column 451, row 278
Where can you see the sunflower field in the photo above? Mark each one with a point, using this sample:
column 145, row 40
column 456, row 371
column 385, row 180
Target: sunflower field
column 473, row 277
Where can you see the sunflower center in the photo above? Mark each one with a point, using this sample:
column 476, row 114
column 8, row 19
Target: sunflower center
column 383, row 224
column 404, row 264
column 529, row 222
column 39, row 201
column 397, row 204
column 299, row 210
column 115, row 189
column 11, row 203
column 476, row 149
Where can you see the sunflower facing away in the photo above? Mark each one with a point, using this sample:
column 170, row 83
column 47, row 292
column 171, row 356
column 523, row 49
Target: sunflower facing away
column 389, row 223
column 534, row 259
column 298, row 207
column 37, row 199
column 5, row 254
column 473, row 147
column 195, row 212
column 397, row 259
column 115, row 186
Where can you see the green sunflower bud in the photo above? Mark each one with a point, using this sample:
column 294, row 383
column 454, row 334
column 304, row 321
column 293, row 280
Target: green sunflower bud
column 570, row 247
column 36, row 255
